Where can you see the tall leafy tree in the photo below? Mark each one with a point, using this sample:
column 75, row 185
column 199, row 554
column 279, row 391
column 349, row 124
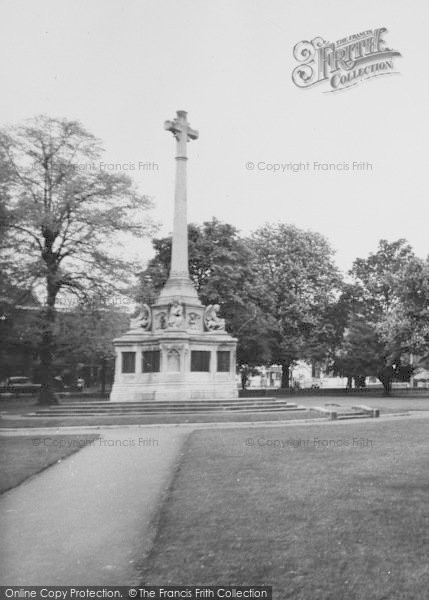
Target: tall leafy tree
column 406, row 327
column 366, row 349
column 300, row 286
column 65, row 216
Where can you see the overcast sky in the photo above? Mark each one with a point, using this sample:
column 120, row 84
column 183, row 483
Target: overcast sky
column 122, row 67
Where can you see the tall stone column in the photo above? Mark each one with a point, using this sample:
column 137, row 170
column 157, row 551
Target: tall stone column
column 179, row 283
column 179, row 252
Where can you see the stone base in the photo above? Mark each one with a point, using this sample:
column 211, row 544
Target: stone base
column 175, row 380
column 173, row 391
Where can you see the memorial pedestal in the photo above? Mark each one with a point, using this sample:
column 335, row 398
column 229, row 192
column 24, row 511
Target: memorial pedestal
column 175, row 354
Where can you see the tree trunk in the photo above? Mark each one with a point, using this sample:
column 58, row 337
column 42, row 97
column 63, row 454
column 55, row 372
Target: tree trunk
column 47, row 391
column 386, row 378
column 103, row 375
column 244, row 378
column 285, row 375
column 387, row 386
column 359, row 382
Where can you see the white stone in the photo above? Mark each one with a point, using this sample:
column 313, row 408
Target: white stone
column 178, row 323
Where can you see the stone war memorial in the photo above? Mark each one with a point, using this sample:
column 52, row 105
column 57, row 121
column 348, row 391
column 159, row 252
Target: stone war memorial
column 176, row 349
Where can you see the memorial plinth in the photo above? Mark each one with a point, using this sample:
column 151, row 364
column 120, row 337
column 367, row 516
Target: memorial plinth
column 176, row 349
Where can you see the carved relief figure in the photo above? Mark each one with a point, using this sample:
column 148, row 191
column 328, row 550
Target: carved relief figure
column 193, row 320
column 211, row 320
column 143, row 318
column 175, row 318
column 161, row 320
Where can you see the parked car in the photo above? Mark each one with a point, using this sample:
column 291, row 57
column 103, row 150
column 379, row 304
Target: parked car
column 20, row 385
column 24, row 385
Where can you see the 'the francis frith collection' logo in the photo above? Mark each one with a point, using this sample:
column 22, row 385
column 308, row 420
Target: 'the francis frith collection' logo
column 344, row 63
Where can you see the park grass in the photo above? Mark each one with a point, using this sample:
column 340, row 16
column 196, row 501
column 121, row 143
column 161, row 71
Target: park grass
column 313, row 522
column 24, row 456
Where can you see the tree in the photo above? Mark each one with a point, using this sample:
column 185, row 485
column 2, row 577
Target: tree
column 221, row 268
column 19, row 329
column 64, row 215
column 366, row 350
column 378, row 275
column 85, row 334
column 362, row 352
column 299, row 288
column 406, row 327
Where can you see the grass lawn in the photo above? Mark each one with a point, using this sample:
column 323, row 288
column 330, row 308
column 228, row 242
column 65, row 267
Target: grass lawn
column 315, row 522
column 23, row 456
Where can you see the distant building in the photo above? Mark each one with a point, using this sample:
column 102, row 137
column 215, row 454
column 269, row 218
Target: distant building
column 303, row 375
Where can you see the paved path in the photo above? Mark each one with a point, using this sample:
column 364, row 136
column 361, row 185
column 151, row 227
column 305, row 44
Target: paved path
column 86, row 521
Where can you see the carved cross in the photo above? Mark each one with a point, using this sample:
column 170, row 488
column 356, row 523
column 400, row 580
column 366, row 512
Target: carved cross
column 182, row 131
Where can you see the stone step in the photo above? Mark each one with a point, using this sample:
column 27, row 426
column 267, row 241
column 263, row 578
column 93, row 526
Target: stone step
column 167, row 403
column 172, row 410
column 153, row 408
column 145, row 411
column 353, row 415
column 341, row 412
column 178, row 402
column 184, row 414
column 174, row 407
column 372, row 412
column 172, row 404
column 153, row 413
column 194, row 405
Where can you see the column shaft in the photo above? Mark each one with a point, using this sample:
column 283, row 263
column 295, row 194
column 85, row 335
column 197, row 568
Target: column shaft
column 179, row 252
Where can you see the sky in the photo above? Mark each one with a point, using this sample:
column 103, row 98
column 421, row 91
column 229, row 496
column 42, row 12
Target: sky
column 123, row 67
